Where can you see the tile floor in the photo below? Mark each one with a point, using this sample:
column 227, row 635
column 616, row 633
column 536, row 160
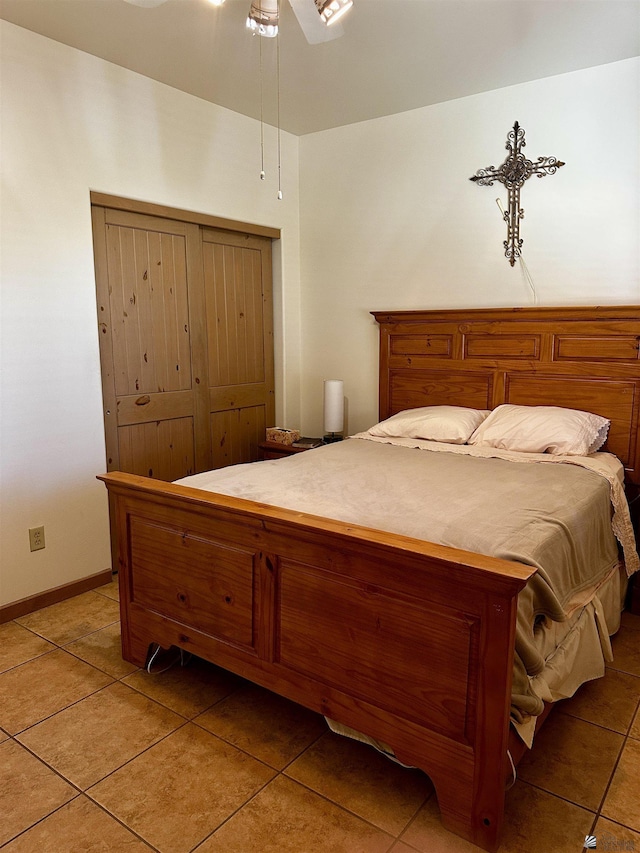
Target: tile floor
column 97, row 755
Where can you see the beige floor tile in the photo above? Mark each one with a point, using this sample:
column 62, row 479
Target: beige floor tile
column 534, row 821
column 564, row 744
column 99, row 734
column 187, row 690
column 626, row 645
column 266, row 726
column 28, row 790
column 610, row 702
column 78, row 826
column 180, row 788
column 612, row 836
column 102, row 649
column 427, row 834
column 71, row 619
column 179, row 791
column 44, row 686
column 623, row 798
column 111, row 590
column 287, row 818
column 634, row 731
column 18, row 645
column 358, row 778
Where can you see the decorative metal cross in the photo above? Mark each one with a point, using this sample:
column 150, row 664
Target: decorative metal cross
column 515, row 170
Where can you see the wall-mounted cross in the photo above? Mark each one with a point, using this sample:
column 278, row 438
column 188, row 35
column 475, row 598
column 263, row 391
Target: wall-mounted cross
column 515, row 170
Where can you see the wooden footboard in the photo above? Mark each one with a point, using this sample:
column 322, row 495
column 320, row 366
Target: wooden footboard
column 409, row 642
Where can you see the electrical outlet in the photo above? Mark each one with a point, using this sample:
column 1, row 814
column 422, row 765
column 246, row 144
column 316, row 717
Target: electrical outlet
column 36, row 538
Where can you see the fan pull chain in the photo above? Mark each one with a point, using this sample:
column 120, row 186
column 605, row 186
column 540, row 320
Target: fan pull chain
column 278, row 87
column 262, row 173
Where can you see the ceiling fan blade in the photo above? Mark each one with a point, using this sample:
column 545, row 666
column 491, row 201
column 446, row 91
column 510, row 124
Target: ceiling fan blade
column 314, row 28
column 147, row 4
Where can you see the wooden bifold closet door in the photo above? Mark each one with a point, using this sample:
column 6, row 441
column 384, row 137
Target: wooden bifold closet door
column 239, row 317
column 186, row 342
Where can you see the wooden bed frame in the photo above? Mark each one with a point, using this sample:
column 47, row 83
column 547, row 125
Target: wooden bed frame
column 407, row 641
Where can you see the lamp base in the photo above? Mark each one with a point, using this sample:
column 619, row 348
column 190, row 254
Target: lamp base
column 331, row 437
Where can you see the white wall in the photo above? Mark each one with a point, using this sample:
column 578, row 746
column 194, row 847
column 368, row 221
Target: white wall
column 72, row 123
column 391, row 220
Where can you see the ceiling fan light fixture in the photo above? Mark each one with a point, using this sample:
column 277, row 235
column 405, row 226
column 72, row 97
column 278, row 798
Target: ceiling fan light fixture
column 263, row 18
column 332, row 10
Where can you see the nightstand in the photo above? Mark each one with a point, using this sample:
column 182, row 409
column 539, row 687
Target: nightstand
column 274, row 450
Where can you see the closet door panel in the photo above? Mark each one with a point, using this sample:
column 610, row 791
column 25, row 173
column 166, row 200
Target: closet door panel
column 160, row 449
column 235, row 314
column 238, row 298
column 235, row 435
column 149, row 310
column 149, row 298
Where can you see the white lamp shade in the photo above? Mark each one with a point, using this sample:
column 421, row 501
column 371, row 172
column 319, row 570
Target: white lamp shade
column 333, row 405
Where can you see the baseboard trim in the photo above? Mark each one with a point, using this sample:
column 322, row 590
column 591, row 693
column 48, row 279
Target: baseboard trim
column 53, row 596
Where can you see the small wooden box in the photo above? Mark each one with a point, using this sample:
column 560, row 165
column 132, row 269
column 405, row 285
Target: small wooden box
column 280, row 435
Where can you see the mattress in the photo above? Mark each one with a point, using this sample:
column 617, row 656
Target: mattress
column 557, row 518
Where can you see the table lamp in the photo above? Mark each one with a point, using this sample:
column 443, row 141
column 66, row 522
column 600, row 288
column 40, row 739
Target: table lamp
column 333, row 410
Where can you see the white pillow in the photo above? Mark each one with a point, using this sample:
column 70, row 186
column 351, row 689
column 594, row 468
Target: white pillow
column 451, row 424
column 542, row 429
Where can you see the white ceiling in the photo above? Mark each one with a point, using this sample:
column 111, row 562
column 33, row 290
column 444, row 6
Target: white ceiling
column 395, row 55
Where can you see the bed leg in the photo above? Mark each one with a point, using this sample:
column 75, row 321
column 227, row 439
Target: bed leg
column 135, row 649
column 461, row 816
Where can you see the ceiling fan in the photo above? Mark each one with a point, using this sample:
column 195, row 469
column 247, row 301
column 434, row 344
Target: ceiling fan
column 317, row 18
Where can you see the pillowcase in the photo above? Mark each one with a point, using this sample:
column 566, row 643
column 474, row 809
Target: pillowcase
column 542, row 429
column 450, row 424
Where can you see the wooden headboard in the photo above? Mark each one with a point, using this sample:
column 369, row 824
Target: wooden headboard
column 581, row 358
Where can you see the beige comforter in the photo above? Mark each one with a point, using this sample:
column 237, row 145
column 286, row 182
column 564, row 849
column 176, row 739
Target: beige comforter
column 557, row 518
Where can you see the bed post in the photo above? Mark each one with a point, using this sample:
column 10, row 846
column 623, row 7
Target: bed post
column 470, row 785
